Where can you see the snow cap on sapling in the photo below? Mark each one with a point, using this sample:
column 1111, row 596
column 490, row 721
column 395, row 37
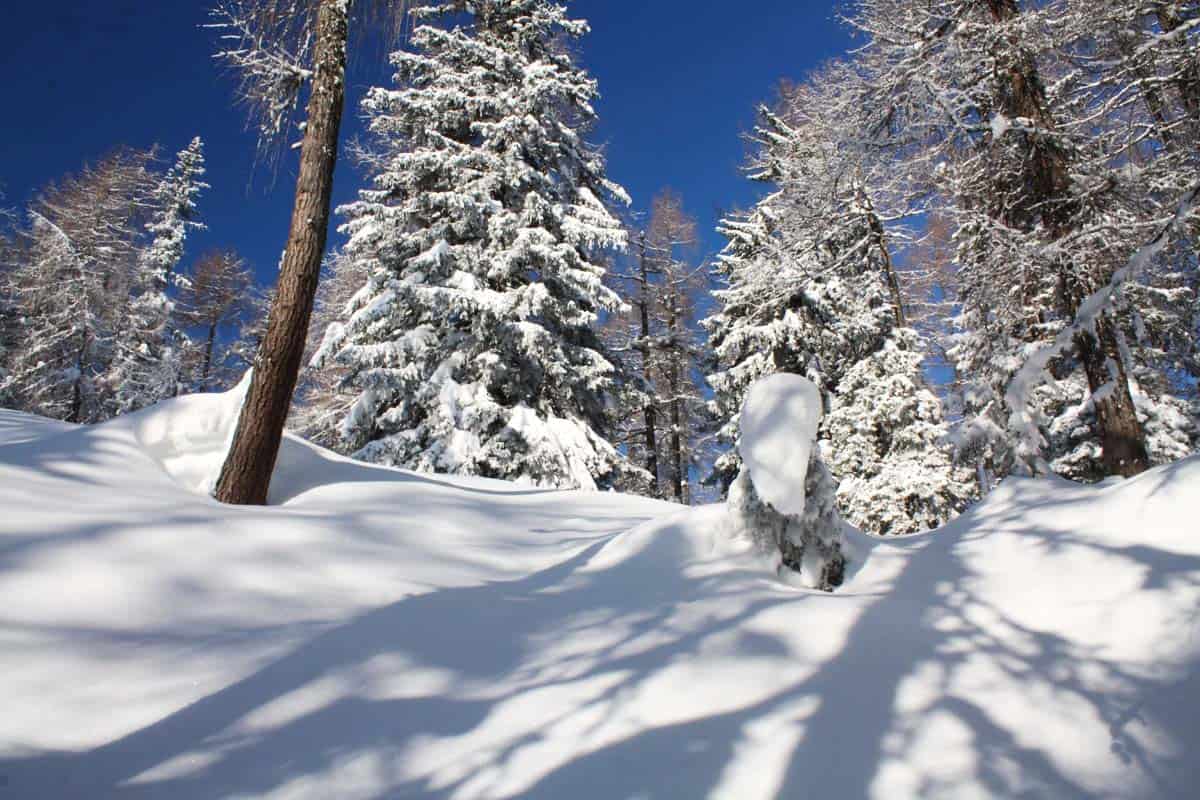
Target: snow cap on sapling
column 779, row 423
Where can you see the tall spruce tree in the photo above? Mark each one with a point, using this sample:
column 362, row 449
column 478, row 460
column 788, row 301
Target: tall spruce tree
column 473, row 344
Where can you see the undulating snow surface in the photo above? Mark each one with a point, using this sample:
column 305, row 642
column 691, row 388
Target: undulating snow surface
column 385, row 634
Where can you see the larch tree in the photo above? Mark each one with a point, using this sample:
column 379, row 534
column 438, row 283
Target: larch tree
column 324, row 396
column 984, row 100
column 1133, row 91
column 72, row 283
column 218, row 297
column 662, row 420
column 278, row 47
column 9, row 313
column 473, row 344
column 674, row 341
column 627, row 336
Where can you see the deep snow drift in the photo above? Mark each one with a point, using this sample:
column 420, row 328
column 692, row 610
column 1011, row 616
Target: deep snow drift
column 385, row 634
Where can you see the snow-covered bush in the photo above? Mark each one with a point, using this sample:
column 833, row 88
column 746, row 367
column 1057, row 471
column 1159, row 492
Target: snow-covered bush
column 886, row 441
column 784, row 498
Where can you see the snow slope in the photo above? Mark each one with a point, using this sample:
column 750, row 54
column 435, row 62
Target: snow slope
column 385, row 634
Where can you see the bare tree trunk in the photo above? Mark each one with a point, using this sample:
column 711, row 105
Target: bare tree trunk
column 208, row 351
column 651, row 412
column 1048, row 201
column 1122, row 440
column 673, row 383
column 879, row 242
column 246, row 474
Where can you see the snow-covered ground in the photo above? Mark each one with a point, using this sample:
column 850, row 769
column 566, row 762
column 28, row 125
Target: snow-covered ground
column 383, row 634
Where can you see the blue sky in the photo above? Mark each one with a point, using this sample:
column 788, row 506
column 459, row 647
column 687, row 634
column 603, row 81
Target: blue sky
column 679, row 79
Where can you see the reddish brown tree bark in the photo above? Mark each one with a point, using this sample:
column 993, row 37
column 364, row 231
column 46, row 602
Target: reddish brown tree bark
column 246, row 475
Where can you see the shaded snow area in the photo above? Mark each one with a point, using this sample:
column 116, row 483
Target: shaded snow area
column 384, row 634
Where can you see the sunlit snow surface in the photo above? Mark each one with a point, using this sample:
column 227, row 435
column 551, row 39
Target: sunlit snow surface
column 384, row 634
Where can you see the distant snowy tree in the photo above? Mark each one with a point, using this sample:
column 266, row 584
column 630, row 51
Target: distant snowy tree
column 323, row 398
column 175, row 212
column 675, row 342
column 72, row 285
column 473, row 344
column 218, row 303
column 664, row 423
column 9, row 310
column 150, row 348
column 626, row 333
column 53, row 371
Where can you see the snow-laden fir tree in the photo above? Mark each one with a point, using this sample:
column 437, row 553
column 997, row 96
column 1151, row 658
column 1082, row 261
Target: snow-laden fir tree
column 473, row 345
column 150, row 349
column 886, row 440
column 783, row 498
column 812, row 289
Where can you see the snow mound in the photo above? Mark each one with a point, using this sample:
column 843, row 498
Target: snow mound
column 190, row 435
column 384, row 634
column 779, row 423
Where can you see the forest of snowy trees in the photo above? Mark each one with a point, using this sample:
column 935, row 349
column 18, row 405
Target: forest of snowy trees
column 976, row 236
column 97, row 315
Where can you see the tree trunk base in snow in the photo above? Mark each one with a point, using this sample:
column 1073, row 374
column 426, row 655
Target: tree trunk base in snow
column 1122, row 440
column 810, row 546
column 246, row 475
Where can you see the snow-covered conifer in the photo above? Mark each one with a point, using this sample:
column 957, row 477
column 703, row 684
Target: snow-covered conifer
column 886, row 440
column 812, row 289
column 784, row 497
column 472, row 344
column 150, row 347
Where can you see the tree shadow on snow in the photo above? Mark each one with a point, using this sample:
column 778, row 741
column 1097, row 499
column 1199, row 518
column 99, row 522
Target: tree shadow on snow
column 852, row 722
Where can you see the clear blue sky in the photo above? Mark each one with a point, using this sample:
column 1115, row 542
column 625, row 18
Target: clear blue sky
column 679, row 79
